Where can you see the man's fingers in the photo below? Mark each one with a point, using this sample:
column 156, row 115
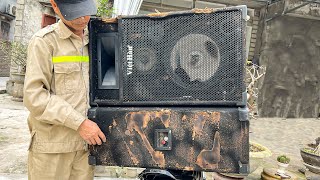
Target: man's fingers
column 91, row 133
column 102, row 136
column 93, row 141
column 98, row 140
column 88, row 141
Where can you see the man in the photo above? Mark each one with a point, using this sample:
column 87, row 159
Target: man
column 56, row 94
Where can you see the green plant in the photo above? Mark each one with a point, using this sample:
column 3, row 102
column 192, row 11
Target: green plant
column 317, row 149
column 314, row 147
column 14, row 52
column 283, row 159
column 312, row 151
column 105, row 9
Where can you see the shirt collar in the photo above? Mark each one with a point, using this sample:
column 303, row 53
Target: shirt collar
column 86, row 36
column 64, row 32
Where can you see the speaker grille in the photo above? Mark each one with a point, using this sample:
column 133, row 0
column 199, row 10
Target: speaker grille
column 184, row 57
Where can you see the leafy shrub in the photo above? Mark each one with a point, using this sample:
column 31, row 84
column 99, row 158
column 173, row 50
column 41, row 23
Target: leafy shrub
column 283, row 159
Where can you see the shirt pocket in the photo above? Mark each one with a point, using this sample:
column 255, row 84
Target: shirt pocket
column 68, row 78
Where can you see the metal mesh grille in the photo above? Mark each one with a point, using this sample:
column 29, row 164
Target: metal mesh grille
column 190, row 57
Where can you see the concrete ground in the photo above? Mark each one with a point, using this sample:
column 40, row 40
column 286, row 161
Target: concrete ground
column 24, row 177
column 281, row 136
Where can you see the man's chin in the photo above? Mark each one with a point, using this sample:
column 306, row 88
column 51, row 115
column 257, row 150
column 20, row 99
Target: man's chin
column 78, row 28
column 81, row 27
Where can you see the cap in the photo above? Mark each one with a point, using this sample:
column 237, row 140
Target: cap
column 73, row 9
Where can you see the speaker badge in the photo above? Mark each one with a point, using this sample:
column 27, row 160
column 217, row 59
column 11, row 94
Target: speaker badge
column 129, row 60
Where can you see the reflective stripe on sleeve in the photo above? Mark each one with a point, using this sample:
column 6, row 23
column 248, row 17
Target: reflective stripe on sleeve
column 62, row 59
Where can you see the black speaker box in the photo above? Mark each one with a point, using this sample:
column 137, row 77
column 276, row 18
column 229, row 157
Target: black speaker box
column 189, row 58
column 191, row 139
column 168, row 91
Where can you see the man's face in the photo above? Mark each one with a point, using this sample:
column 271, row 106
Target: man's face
column 78, row 24
column 75, row 25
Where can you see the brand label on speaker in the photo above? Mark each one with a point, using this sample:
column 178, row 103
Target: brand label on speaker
column 129, row 60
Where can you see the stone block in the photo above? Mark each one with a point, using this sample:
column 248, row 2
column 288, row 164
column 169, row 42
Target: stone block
column 19, row 15
column 17, row 92
column 255, row 26
column 179, row 3
column 202, row 5
column 9, row 87
column 20, row 6
column 250, row 12
column 106, row 171
column 145, row 12
column 18, row 23
column 130, row 173
column 20, row 1
column 117, row 172
column 152, row 1
column 17, row 37
column 18, row 30
column 311, row 175
column 256, row 18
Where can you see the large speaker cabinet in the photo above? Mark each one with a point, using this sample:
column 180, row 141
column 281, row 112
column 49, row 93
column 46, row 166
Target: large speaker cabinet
column 168, row 91
column 191, row 58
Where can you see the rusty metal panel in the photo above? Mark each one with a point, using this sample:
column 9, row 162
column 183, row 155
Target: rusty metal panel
column 203, row 139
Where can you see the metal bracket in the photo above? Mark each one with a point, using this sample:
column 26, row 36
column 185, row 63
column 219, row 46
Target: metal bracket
column 92, row 113
column 244, row 99
column 244, row 168
column 243, row 114
column 244, row 10
column 92, row 160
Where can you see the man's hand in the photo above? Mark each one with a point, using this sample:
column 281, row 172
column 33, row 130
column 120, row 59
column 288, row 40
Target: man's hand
column 91, row 133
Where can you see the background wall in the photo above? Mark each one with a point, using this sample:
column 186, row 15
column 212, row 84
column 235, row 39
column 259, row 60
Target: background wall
column 7, row 23
column 3, row 4
column 29, row 18
column 291, row 86
column 290, row 52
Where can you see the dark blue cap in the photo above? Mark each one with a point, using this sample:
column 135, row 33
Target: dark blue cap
column 73, row 9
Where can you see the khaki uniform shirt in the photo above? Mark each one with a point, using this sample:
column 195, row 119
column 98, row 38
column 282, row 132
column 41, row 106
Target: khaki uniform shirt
column 56, row 89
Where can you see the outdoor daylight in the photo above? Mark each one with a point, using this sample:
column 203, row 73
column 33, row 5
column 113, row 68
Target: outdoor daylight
column 159, row 89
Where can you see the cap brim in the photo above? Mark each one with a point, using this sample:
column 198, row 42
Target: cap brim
column 73, row 11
